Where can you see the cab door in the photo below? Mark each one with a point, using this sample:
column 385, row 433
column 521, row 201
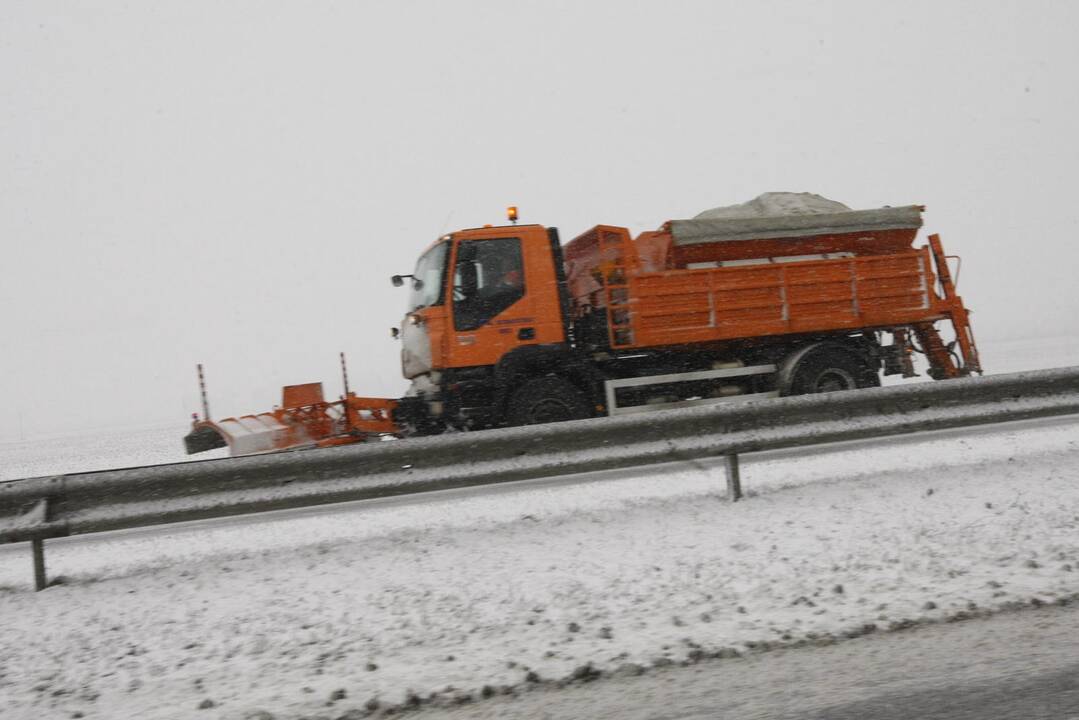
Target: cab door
column 492, row 308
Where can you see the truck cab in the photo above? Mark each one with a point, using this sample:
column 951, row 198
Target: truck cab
column 481, row 301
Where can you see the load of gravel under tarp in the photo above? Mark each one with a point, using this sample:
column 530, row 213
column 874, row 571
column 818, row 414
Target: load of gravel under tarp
column 786, row 214
column 770, row 204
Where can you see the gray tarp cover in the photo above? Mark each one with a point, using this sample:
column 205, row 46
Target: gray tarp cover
column 795, row 215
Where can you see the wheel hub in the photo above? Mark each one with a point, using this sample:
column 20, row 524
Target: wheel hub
column 833, row 380
column 550, row 410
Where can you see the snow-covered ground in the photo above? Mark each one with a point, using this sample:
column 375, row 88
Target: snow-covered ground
column 318, row 613
column 1005, row 356
column 97, row 450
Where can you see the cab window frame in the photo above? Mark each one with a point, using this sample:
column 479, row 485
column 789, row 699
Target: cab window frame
column 478, row 289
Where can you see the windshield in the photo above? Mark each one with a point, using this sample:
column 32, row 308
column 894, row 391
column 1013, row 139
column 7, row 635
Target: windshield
column 427, row 283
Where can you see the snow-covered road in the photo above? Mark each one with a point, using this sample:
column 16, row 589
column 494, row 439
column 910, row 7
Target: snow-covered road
column 1007, row 666
column 320, row 613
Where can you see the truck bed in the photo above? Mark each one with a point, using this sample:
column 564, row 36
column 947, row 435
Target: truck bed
column 724, row 303
column 702, row 281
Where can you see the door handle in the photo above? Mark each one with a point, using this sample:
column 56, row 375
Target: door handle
column 526, row 334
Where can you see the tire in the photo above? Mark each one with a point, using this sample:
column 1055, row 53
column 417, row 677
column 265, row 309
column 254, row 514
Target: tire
column 831, row 370
column 546, row 399
column 424, row 430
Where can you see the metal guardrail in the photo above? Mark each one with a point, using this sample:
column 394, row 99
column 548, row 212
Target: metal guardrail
column 36, row 509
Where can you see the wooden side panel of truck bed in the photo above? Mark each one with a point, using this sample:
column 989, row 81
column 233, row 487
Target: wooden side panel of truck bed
column 712, row 304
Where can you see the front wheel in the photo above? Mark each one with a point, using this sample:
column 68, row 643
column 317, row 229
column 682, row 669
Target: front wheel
column 831, row 370
column 544, row 400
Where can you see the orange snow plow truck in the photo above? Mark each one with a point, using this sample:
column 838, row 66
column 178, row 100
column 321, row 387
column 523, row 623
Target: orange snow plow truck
column 784, row 295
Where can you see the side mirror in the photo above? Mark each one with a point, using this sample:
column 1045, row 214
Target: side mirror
column 395, row 333
column 397, row 280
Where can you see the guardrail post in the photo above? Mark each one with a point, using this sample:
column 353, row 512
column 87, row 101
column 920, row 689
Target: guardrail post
column 37, row 546
column 734, row 479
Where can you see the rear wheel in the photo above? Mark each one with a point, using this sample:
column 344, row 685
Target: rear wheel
column 546, row 399
column 832, row 370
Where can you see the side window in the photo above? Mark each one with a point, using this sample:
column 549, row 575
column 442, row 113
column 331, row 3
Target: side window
column 487, row 278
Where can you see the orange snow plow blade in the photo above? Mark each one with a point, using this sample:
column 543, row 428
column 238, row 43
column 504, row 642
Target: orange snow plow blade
column 304, row 420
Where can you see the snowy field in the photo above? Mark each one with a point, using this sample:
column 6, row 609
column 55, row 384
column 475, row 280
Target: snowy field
column 319, row 613
column 97, row 450
column 329, row 611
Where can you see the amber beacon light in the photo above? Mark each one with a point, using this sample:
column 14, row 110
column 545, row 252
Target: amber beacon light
column 511, row 213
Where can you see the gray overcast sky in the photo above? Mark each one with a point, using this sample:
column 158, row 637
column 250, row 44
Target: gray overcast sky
column 233, row 183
